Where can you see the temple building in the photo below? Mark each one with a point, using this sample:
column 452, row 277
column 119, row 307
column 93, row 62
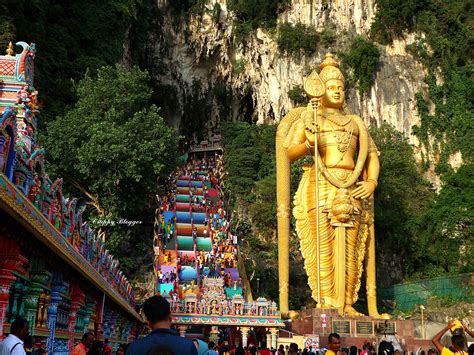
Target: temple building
column 54, row 270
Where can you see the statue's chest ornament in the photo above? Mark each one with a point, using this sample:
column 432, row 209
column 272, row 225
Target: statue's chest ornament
column 342, row 135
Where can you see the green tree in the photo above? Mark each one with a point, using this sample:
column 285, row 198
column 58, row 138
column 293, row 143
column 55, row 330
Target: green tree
column 249, row 156
column 113, row 145
column 402, row 196
column 297, row 95
column 328, row 37
column 263, row 210
column 446, row 229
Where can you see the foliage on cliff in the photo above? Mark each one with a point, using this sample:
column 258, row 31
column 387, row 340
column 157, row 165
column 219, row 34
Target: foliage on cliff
column 297, row 95
column 360, row 63
column 252, row 14
column 297, row 39
column 444, row 45
column 111, row 147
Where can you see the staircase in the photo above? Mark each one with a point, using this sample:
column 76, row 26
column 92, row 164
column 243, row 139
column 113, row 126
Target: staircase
column 194, row 240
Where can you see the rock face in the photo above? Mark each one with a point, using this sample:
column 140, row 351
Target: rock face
column 251, row 79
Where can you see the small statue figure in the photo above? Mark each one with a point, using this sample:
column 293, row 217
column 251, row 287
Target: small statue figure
column 23, row 95
column 33, row 100
column 35, row 190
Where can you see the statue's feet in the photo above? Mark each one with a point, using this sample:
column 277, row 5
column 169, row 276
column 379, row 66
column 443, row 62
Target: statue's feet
column 351, row 312
column 380, row 315
column 293, row 315
column 290, row 315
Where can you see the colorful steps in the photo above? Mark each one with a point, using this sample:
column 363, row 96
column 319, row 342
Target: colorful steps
column 185, row 190
column 189, row 216
column 186, row 198
column 199, row 217
column 187, row 274
column 185, row 243
column 183, row 217
column 203, row 244
column 165, row 288
column 189, row 183
column 186, row 229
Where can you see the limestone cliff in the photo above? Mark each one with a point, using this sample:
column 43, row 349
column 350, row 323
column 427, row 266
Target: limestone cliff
column 251, row 79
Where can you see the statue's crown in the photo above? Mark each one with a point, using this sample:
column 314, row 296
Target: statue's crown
column 330, row 69
column 329, row 61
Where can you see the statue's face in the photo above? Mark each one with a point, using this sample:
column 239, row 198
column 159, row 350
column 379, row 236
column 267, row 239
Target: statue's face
column 334, row 95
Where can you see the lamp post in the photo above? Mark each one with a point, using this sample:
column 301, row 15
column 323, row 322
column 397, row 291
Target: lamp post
column 422, row 321
column 258, row 285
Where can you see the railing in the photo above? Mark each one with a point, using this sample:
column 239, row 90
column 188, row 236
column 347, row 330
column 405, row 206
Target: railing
column 206, row 146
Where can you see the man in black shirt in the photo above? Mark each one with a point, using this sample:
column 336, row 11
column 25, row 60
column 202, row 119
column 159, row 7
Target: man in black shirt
column 158, row 314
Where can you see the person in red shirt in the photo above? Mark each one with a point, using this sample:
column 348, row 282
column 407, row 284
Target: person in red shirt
column 364, row 350
column 83, row 346
column 107, row 347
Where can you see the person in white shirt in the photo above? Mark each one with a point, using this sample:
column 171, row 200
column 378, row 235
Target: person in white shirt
column 13, row 344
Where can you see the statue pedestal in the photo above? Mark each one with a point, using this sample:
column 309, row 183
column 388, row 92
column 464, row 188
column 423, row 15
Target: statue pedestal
column 357, row 330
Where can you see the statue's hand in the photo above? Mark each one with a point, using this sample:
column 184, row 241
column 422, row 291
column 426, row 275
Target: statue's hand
column 309, row 133
column 365, row 189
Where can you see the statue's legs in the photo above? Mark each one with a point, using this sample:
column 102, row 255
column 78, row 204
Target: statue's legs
column 351, row 268
column 327, row 244
column 338, row 287
column 330, row 292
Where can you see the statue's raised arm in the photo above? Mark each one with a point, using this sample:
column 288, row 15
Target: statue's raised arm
column 333, row 205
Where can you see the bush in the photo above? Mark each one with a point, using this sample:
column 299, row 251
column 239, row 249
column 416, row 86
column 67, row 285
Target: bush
column 394, row 17
column 297, row 38
column 252, row 14
column 297, row 95
column 362, row 58
column 238, row 65
column 186, row 6
column 327, row 37
column 216, row 12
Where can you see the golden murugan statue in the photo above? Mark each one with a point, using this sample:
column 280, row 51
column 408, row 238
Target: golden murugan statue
column 334, row 213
